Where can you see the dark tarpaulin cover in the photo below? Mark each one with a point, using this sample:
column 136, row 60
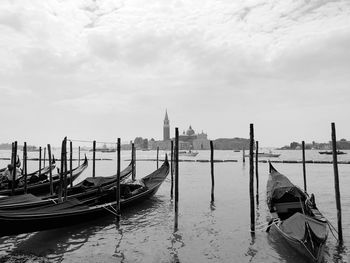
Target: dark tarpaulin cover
column 295, row 227
column 96, row 181
column 278, row 185
column 16, row 199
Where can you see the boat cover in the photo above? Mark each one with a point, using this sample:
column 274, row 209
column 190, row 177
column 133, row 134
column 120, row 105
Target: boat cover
column 278, row 185
column 294, row 226
column 71, row 205
column 96, row 182
column 16, row 199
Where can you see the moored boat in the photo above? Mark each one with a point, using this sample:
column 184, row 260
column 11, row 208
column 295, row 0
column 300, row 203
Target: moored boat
column 90, row 186
column 73, row 211
column 295, row 217
column 188, row 153
column 331, row 152
column 42, row 186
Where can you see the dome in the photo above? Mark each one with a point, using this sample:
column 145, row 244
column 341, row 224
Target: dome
column 190, row 131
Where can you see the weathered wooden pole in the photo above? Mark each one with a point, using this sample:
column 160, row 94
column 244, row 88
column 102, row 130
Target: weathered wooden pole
column 157, row 157
column 257, row 170
column 61, row 173
column 133, row 155
column 49, row 154
column 65, row 169
column 251, row 179
column 93, row 158
column 14, row 171
column 336, row 184
column 172, row 168
column 304, row 167
column 212, row 170
column 71, row 163
column 79, row 156
column 44, row 156
column 25, row 171
column 176, row 159
column 243, row 155
column 118, row 182
column 12, row 159
column 39, row 161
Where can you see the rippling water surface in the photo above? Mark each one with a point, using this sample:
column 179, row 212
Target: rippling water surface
column 207, row 232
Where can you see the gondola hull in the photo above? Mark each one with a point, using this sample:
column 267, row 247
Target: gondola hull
column 72, row 211
column 297, row 245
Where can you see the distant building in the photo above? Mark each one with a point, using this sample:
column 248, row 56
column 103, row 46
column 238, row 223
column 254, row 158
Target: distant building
column 343, row 144
column 166, row 128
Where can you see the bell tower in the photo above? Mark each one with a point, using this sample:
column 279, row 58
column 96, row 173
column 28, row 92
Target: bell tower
column 166, row 128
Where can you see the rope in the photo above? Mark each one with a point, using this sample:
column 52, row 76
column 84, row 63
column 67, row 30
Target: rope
column 110, row 211
column 73, row 140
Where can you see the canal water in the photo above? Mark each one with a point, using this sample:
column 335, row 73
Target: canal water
column 217, row 232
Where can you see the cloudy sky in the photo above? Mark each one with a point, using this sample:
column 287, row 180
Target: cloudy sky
column 107, row 69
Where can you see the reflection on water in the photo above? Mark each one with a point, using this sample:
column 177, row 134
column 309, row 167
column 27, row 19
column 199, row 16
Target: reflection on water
column 208, row 231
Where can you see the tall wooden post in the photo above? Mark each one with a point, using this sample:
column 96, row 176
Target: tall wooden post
column 25, row 171
column 93, row 158
column 256, row 170
column 212, row 170
column 61, row 173
column 336, row 184
column 71, row 163
column 39, row 161
column 118, row 181
column 157, row 157
column 44, row 156
column 79, row 156
column 176, row 157
column 243, row 155
column 49, row 154
column 304, row 167
column 133, row 174
column 251, row 179
column 172, row 168
column 65, row 169
column 14, row 171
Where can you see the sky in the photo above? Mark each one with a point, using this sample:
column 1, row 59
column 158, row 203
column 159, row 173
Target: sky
column 107, row 69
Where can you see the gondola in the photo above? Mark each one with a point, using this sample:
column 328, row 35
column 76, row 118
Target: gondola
column 89, row 187
column 42, row 187
column 295, row 217
column 73, row 211
column 18, row 164
column 331, row 152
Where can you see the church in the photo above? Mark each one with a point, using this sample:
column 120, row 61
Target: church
column 187, row 140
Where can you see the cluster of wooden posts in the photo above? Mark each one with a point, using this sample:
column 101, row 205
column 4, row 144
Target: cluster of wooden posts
column 174, row 167
column 251, row 179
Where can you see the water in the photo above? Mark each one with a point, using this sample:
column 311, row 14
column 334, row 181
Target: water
column 207, row 233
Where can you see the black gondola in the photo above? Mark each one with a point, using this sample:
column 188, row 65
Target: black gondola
column 295, row 217
column 73, row 211
column 42, row 187
column 89, row 187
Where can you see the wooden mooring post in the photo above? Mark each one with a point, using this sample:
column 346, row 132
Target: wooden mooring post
column 172, row 168
column 39, row 161
column 49, row 155
column 176, row 159
column 133, row 160
column 71, row 163
column 118, row 182
column 243, row 151
column 304, row 167
column 336, row 184
column 14, row 168
column 60, row 194
column 93, row 158
column 251, row 179
column 65, row 169
column 25, row 171
column 79, row 156
column 212, row 170
column 44, row 156
column 157, row 157
column 257, row 171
